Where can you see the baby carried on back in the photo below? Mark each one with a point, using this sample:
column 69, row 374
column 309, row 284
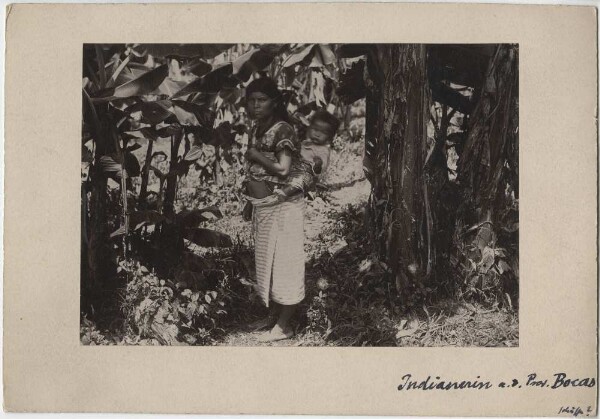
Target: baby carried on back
column 314, row 156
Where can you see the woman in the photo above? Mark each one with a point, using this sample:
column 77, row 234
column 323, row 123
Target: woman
column 278, row 229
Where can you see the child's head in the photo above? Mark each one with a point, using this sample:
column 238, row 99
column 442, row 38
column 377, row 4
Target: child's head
column 323, row 127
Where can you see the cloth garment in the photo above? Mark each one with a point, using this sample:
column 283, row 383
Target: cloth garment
column 279, row 251
column 311, row 165
column 310, row 152
column 281, row 135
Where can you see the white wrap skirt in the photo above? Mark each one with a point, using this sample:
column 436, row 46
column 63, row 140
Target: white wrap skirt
column 279, row 251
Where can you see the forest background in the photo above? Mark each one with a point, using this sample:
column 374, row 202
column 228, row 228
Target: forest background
column 166, row 258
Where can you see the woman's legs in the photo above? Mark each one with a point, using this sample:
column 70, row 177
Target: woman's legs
column 285, row 315
column 267, row 322
column 282, row 329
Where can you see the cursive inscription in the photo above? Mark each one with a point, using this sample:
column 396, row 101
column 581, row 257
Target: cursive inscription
column 557, row 381
column 438, row 384
column 574, row 411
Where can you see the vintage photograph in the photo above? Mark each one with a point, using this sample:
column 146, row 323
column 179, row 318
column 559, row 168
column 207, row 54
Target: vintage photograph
column 300, row 195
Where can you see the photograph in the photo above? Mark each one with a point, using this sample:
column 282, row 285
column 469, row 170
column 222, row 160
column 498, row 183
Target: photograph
column 311, row 195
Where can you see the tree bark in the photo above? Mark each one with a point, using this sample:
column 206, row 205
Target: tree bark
column 490, row 149
column 397, row 114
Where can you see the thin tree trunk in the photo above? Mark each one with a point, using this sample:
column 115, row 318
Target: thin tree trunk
column 145, row 174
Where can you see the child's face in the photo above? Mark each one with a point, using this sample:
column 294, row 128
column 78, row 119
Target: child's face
column 319, row 132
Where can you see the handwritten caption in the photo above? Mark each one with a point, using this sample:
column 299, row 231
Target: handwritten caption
column 557, row 381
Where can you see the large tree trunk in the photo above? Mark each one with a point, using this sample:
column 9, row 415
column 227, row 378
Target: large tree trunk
column 490, row 151
column 488, row 169
column 397, row 114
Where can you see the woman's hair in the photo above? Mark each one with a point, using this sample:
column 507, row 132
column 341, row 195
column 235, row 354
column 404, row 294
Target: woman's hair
column 267, row 86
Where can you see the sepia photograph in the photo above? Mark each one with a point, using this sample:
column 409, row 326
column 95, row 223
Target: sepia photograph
column 394, row 217
column 300, row 195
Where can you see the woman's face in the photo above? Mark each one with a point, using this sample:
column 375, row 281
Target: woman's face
column 260, row 106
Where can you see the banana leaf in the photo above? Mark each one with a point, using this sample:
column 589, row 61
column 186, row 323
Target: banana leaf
column 209, row 83
column 186, row 50
column 192, row 218
column 208, row 238
column 254, row 60
column 143, row 85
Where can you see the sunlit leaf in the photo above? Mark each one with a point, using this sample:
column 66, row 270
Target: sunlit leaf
column 153, row 112
column 169, row 87
column 142, row 85
column 299, row 57
column 322, row 56
column 202, row 114
column 198, row 66
column 193, row 154
column 119, row 232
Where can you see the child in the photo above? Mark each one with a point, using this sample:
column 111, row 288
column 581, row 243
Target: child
column 314, row 152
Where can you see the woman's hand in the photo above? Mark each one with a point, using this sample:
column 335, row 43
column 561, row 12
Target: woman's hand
column 280, row 168
column 252, row 154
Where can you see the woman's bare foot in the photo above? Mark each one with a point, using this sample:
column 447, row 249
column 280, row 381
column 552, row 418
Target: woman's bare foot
column 276, row 333
column 261, row 324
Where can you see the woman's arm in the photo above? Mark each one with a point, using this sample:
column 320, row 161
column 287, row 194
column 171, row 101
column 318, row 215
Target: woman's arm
column 280, row 168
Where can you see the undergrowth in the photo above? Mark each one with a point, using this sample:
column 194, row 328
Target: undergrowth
column 351, row 296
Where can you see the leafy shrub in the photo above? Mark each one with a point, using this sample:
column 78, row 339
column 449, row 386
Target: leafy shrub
column 90, row 335
column 168, row 313
column 489, row 273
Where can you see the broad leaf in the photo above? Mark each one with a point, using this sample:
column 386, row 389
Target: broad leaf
column 198, row 66
column 169, row 130
column 193, row 262
column 119, row 232
column 160, row 153
column 273, row 49
column 153, row 113
column 133, row 147
column 304, row 55
column 186, row 50
column 322, row 56
column 224, row 135
column 169, row 87
column 192, row 218
column 203, row 115
column 142, row 85
column 254, row 60
column 352, row 50
column 158, row 173
column 208, row 238
column 111, row 167
column 201, row 134
column 209, row 83
column 149, row 133
column 193, row 154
